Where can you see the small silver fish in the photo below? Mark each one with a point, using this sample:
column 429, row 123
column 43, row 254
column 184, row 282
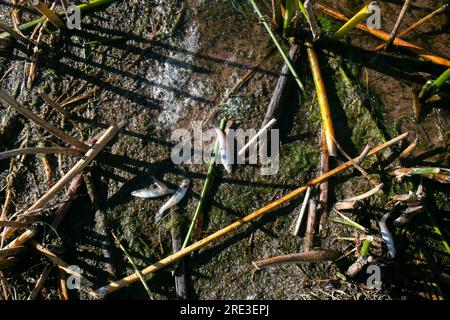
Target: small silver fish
column 177, row 197
column 224, row 150
column 160, row 190
column 387, row 236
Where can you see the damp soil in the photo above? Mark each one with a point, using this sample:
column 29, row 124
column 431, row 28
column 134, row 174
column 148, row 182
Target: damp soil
column 161, row 65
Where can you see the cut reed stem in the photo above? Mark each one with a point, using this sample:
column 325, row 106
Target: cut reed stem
column 363, row 14
column 327, row 122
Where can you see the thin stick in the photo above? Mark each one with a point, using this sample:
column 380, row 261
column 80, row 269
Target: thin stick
column 310, row 226
column 269, row 125
column 385, row 37
column 394, row 31
column 349, row 222
column 278, row 45
column 323, row 197
column 49, row 14
column 63, row 286
column 303, row 257
column 17, row 35
column 302, row 211
column 40, row 283
column 357, row 166
column 179, row 273
column 53, row 104
column 135, row 267
column 113, row 286
column 59, row 262
column 49, row 150
column 327, row 122
column 6, row 98
column 414, row 26
column 107, row 136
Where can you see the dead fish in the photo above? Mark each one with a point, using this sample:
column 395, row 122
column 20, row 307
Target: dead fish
column 177, row 197
column 160, row 190
column 224, row 150
column 387, row 236
column 407, row 215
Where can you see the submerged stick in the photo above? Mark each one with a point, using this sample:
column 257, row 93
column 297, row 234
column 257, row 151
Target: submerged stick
column 48, row 150
column 6, row 98
column 107, row 136
column 327, row 122
column 385, row 37
column 116, row 285
column 303, row 257
column 278, row 45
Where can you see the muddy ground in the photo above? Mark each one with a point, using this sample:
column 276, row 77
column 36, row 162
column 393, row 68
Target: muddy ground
column 160, row 65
